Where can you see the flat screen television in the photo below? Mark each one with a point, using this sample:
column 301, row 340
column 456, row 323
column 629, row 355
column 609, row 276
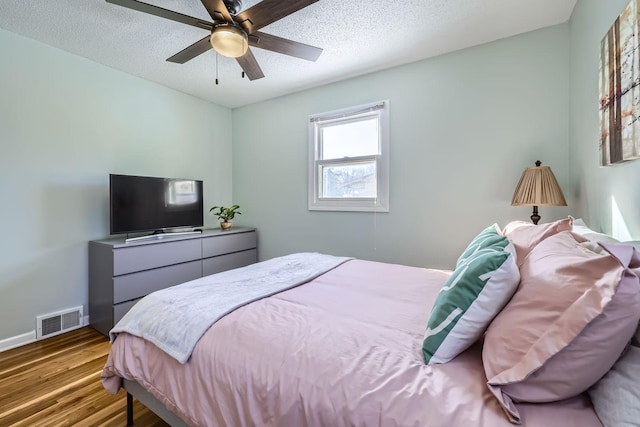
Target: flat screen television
column 143, row 203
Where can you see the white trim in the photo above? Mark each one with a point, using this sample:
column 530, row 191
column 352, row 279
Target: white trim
column 347, row 112
column 17, row 341
column 29, row 337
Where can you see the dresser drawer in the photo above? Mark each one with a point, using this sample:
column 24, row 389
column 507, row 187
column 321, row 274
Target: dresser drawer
column 218, row 245
column 136, row 285
column 145, row 257
column 228, row 262
column 121, row 272
column 119, row 310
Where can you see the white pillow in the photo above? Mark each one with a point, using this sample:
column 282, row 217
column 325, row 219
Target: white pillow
column 615, row 396
column 579, row 227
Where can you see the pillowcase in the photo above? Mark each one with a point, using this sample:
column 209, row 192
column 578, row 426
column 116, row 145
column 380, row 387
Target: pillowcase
column 634, row 243
column 581, row 228
column 485, row 277
column 564, row 328
column 525, row 235
column 615, row 397
column 486, row 238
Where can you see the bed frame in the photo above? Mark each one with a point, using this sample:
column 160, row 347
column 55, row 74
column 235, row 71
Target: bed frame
column 147, row 399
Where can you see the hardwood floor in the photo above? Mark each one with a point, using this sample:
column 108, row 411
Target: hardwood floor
column 56, row 382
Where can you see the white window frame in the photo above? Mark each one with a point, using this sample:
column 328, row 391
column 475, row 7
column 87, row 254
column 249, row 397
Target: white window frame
column 364, row 204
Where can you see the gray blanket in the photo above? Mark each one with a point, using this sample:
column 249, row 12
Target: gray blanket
column 175, row 318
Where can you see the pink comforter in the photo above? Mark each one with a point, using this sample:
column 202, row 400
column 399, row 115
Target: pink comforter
column 341, row 350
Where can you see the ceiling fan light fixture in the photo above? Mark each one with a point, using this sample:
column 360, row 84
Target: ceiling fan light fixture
column 229, row 40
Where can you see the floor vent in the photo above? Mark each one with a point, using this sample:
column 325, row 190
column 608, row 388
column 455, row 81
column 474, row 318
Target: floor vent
column 52, row 324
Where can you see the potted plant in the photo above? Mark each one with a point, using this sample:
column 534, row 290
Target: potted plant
column 225, row 215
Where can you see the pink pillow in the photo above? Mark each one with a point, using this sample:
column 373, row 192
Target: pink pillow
column 525, row 236
column 566, row 325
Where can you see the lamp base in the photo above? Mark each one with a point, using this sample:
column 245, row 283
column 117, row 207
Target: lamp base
column 535, row 217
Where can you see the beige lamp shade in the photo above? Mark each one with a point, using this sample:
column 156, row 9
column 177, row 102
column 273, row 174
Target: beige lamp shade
column 538, row 187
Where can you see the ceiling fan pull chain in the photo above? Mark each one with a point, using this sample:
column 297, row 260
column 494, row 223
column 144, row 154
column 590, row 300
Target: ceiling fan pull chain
column 216, row 68
column 243, row 74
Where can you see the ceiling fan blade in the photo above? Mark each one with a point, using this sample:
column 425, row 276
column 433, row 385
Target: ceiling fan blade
column 163, row 13
column 285, row 46
column 218, row 10
column 250, row 66
column 267, row 12
column 186, row 54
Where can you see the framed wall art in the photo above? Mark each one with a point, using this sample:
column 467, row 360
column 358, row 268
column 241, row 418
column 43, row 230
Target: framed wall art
column 620, row 89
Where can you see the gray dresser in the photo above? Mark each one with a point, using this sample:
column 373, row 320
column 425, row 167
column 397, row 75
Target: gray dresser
column 121, row 273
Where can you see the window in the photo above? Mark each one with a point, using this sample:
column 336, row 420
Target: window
column 349, row 159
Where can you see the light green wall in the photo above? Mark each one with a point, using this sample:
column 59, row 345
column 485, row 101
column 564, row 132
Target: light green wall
column 463, row 128
column 607, row 197
column 65, row 124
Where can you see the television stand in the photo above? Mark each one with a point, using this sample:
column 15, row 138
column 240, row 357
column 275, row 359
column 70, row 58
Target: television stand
column 158, row 235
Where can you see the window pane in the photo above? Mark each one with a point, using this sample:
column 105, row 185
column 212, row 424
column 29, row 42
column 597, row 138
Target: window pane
column 348, row 159
column 351, row 139
column 350, row 180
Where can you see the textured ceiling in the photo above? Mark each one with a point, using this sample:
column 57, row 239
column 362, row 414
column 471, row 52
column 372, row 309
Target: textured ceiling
column 358, row 37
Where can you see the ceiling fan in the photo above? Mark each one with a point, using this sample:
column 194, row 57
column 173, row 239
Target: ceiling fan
column 232, row 31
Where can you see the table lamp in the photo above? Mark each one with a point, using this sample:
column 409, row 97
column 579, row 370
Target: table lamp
column 538, row 187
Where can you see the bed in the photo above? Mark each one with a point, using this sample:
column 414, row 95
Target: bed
column 344, row 348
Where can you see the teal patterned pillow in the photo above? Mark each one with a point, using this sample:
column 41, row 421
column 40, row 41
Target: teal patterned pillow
column 485, row 278
column 487, row 237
